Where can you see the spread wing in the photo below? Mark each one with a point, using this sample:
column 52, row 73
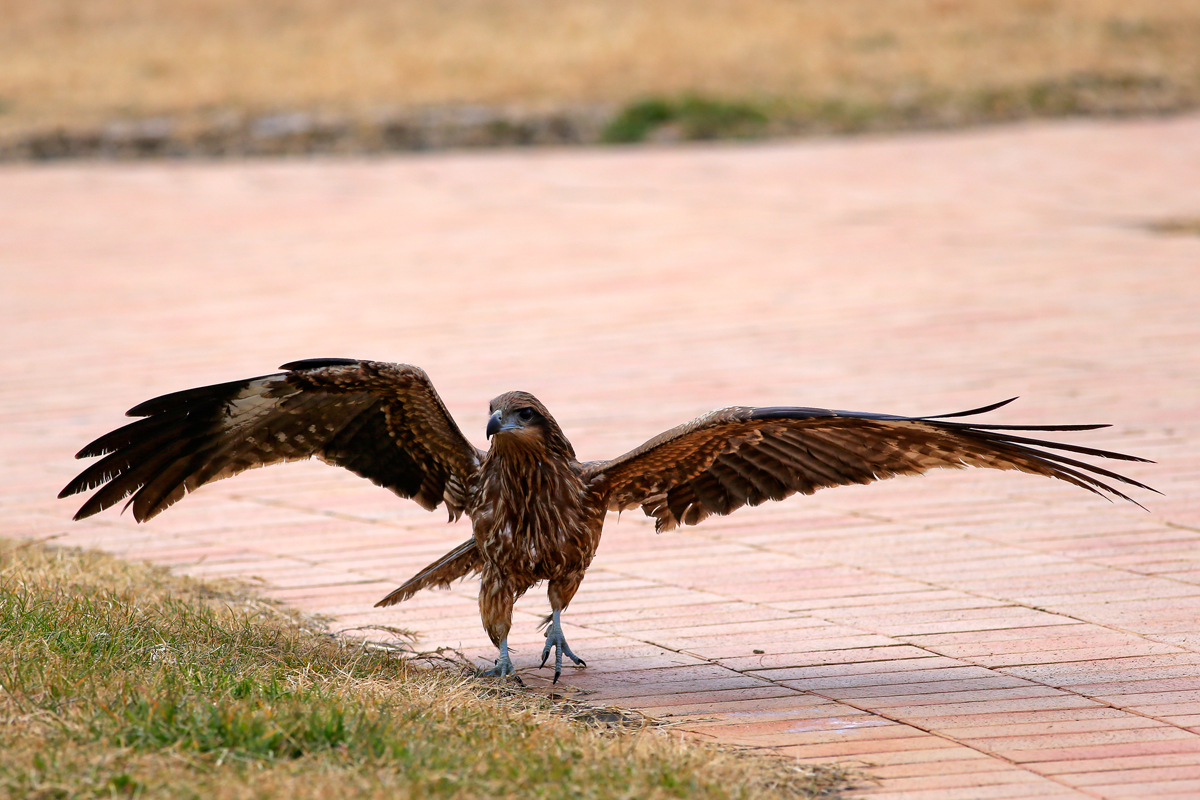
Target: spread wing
column 381, row 421
column 744, row 456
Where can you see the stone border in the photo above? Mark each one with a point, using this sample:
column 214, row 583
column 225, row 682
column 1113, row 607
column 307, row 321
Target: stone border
column 299, row 132
column 302, row 132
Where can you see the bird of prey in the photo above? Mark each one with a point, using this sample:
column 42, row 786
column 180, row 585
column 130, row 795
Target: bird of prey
column 536, row 511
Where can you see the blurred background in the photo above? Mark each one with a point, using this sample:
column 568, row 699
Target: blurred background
column 790, row 262
column 229, row 76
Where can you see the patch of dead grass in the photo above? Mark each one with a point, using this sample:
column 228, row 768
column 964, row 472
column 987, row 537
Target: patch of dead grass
column 67, row 62
column 1176, row 226
column 119, row 679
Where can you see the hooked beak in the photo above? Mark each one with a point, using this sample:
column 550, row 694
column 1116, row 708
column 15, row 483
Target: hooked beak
column 493, row 426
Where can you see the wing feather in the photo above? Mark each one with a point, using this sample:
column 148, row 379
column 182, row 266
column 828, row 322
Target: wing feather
column 744, row 456
column 737, row 490
column 381, row 421
column 711, row 493
column 819, row 463
column 768, row 475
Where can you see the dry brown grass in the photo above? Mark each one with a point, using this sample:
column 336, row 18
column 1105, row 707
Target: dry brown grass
column 1177, row 226
column 118, row 679
column 67, row 62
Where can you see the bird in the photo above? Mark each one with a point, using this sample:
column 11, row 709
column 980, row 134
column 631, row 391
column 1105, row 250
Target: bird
column 536, row 511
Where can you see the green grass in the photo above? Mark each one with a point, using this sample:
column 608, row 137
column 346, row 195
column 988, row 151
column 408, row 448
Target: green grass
column 120, row 680
column 699, row 117
column 694, row 118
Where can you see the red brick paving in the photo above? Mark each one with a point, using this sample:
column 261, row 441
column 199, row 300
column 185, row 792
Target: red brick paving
column 970, row 635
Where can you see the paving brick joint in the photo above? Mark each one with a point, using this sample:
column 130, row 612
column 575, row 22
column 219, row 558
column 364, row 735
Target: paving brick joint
column 966, row 634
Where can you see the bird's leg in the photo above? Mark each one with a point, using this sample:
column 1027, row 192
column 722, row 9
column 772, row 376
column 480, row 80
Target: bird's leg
column 560, row 593
column 556, row 640
column 495, row 608
column 504, row 665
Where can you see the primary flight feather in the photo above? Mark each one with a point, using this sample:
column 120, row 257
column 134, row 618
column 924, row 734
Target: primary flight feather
column 536, row 511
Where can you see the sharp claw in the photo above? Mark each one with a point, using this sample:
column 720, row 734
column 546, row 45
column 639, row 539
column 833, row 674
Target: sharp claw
column 499, row 672
column 556, row 641
column 504, row 666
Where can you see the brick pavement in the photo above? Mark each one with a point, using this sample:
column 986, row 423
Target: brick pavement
column 969, row 635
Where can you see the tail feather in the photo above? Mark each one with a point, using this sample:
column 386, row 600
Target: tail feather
column 459, row 562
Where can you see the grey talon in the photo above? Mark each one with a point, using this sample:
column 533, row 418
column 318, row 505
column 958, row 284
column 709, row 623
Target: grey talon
column 555, row 639
column 504, row 666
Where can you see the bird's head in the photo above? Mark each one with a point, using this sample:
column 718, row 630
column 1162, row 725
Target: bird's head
column 518, row 418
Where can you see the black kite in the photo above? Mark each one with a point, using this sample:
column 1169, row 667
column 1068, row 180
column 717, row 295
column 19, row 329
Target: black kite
column 536, row 511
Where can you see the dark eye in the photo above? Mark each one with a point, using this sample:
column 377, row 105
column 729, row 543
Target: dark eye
column 525, row 414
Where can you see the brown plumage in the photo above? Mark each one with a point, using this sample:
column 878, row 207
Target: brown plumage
column 536, row 511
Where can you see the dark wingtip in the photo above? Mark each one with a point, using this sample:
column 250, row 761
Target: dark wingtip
column 88, row 509
column 1095, row 426
column 84, row 512
column 972, row 412
column 72, row 488
column 319, row 363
